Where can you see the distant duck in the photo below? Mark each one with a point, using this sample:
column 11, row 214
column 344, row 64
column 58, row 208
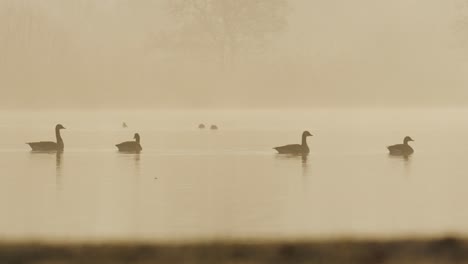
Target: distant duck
column 201, row 126
column 124, row 125
column 49, row 145
column 296, row 148
column 130, row 146
column 214, row 127
column 401, row 149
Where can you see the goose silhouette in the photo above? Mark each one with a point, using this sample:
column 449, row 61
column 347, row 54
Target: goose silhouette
column 130, row 146
column 49, row 145
column 296, row 148
column 401, row 149
column 201, row 126
column 214, row 127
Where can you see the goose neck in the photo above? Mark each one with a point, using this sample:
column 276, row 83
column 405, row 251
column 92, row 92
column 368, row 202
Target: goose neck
column 58, row 137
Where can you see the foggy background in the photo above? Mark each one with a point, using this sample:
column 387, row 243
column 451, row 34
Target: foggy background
column 226, row 53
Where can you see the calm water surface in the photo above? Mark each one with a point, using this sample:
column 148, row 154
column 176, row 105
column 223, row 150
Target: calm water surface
column 229, row 184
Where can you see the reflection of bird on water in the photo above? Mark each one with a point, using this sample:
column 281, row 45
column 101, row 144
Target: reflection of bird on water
column 137, row 163
column 124, row 125
column 58, row 168
column 301, row 160
column 130, row 146
column 296, row 148
column 201, row 126
column 58, row 160
column 401, row 149
column 49, row 145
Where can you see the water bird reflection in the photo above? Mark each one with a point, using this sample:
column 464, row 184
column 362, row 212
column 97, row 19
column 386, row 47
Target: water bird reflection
column 399, row 157
column 49, row 145
column 46, row 158
column 130, row 160
column 131, row 146
column 304, row 159
column 58, row 160
column 137, row 163
column 58, row 168
column 302, row 148
column 404, row 160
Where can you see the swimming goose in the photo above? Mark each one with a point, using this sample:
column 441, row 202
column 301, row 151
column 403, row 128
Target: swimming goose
column 130, row 146
column 296, row 148
column 49, row 145
column 214, row 127
column 401, row 149
column 201, row 126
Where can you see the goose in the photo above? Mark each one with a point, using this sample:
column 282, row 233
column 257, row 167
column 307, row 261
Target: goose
column 130, row 146
column 214, row 127
column 124, row 125
column 296, row 148
column 49, row 145
column 401, row 149
column 201, row 126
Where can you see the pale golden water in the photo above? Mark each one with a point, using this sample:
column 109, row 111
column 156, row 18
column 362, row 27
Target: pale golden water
column 191, row 184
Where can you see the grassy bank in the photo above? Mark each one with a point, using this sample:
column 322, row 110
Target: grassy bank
column 446, row 250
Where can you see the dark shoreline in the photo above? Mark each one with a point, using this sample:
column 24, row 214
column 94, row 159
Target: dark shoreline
column 443, row 250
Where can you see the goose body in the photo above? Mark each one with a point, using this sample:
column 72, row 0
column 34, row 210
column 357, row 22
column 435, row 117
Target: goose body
column 214, row 127
column 401, row 149
column 201, row 126
column 130, row 146
column 49, row 145
column 296, row 148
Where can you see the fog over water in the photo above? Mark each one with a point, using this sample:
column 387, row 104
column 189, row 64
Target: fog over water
column 359, row 75
column 191, row 184
column 297, row 53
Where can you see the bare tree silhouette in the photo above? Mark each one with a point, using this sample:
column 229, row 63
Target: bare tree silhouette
column 225, row 28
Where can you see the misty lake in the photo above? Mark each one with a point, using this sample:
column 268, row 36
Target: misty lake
column 191, row 184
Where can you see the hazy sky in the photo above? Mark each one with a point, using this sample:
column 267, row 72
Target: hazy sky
column 117, row 53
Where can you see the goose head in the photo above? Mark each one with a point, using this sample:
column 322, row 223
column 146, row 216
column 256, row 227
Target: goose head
column 136, row 137
column 59, row 126
column 306, row 134
column 407, row 139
